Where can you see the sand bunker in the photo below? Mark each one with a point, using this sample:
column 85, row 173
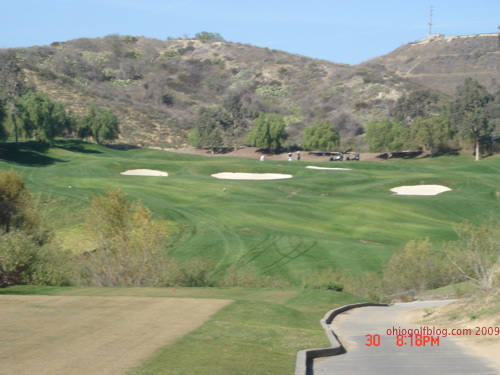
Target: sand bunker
column 420, row 190
column 144, row 172
column 330, row 169
column 251, row 176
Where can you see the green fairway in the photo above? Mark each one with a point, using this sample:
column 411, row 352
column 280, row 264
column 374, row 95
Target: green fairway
column 317, row 219
column 347, row 219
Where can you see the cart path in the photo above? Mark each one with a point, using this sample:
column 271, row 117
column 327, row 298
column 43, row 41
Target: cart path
column 388, row 358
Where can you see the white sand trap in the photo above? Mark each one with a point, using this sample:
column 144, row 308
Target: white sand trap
column 144, row 172
column 420, row 190
column 330, row 169
column 251, row 176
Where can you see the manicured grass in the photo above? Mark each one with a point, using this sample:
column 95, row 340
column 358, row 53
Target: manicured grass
column 286, row 228
column 317, row 219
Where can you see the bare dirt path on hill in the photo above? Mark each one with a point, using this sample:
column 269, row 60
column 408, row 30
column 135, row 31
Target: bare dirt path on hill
column 61, row 335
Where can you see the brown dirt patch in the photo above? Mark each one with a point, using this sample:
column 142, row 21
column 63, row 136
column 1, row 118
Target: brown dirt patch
column 486, row 347
column 92, row 335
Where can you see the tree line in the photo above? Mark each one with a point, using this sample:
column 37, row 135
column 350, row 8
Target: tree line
column 29, row 114
column 216, row 127
column 35, row 116
column 418, row 121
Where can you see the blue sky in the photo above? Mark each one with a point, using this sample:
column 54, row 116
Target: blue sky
column 346, row 31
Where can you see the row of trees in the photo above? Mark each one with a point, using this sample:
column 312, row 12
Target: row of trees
column 216, row 127
column 35, row 116
column 418, row 122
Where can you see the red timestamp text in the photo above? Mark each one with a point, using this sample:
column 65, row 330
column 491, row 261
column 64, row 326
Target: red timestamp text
column 406, row 340
column 417, row 340
column 487, row 331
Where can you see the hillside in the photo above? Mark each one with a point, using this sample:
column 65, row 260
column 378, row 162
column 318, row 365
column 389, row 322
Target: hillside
column 444, row 63
column 157, row 87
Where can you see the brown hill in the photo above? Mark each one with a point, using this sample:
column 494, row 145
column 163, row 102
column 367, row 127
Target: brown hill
column 443, row 63
column 157, row 87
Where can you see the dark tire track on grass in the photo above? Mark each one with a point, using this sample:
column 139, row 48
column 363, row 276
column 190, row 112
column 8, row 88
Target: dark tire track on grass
column 200, row 220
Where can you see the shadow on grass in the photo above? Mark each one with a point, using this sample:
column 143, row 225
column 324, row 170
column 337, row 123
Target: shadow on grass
column 123, row 147
column 443, row 153
column 75, row 146
column 27, row 153
column 21, row 290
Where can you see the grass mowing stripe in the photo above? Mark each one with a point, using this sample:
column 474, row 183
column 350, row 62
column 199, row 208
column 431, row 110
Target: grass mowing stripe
column 316, row 219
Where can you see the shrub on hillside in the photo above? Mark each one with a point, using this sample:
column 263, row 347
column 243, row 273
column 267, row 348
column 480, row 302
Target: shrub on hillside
column 416, row 268
column 476, row 254
column 26, row 255
column 194, row 272
column 328, row 279
column 24, row 261
column 248, row 276
column 130, row 245
column 368, row 285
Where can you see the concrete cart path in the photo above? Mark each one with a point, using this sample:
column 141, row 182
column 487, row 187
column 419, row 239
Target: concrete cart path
column 389, row 358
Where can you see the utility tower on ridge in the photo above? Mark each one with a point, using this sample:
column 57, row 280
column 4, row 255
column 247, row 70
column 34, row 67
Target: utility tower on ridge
column 430, row 20
column 432, row 36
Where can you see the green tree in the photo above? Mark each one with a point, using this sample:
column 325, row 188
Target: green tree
column 206, row 36
column 209, row 127
column 418, row 103
column 100, row 124
column 237, row 125
column 432, row 133
column 12, row 87
column 42, row 118
column 386, row 135
column 3, row 131
column 320, row 136
column 268, row 131
column 468, row 113
column 106, row 126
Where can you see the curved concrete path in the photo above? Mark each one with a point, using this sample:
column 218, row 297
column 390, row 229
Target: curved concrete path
column 389, row 358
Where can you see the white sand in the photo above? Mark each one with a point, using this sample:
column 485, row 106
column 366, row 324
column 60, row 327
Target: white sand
column 330, row 169
column 420, row 190
column 250, row 176
column 144, row 172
